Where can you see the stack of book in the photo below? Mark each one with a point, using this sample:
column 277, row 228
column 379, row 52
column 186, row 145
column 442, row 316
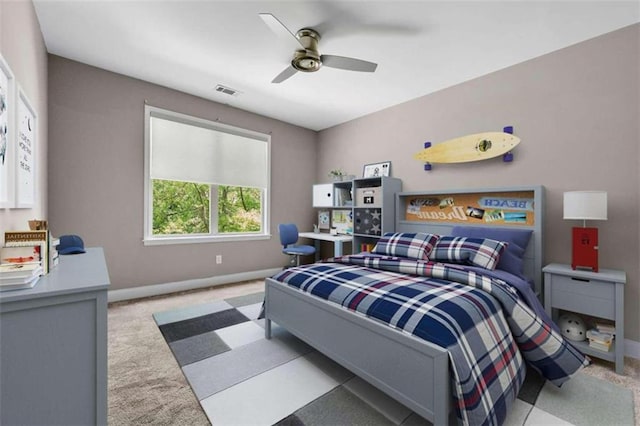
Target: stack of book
column 605, row 327
column 54, row 256
column 15, row 276
column 600, row 340
column 34, row 239
column 366, row 247
column 40, row 242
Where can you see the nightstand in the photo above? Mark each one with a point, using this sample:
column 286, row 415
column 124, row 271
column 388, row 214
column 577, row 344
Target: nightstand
column 598, row 294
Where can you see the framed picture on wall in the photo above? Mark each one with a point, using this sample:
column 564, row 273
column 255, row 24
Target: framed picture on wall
column 25, row 148
column 377, row 169
column 7, row 124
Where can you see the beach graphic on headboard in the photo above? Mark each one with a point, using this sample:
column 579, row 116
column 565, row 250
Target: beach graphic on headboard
column 497, row 208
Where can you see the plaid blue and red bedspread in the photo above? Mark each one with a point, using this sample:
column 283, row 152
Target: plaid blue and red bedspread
column 481, row 321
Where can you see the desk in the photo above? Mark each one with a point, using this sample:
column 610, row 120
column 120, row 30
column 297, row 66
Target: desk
column 337, row 241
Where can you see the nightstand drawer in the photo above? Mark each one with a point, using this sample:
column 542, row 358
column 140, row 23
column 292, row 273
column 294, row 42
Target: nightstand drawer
column 590, row 297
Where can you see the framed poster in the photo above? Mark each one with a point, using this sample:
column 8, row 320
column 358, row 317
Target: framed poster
column 25, row 152
column 342, row 220
column 7, row 124
column 377, row 169
column 324, row 219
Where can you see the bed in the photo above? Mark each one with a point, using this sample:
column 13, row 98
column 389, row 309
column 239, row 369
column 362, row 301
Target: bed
column 406, row 323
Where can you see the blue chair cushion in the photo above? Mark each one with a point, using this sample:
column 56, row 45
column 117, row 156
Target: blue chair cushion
column 299, row 250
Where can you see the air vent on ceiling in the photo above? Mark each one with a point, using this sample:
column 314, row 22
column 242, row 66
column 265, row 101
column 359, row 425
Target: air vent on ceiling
column 227, row 90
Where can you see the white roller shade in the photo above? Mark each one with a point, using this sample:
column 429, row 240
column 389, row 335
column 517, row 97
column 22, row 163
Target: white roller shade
column 189, row 153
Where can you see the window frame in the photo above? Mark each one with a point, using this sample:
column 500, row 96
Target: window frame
column 148, row 237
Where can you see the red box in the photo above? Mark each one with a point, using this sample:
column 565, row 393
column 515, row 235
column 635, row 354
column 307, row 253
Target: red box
column 585, row 249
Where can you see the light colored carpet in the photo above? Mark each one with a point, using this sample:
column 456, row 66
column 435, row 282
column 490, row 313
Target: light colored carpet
column 146, row 385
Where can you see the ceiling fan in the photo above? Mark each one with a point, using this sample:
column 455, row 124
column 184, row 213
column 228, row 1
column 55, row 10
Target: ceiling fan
column 306, row 57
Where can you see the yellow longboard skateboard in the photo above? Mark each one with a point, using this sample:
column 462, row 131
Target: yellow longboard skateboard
column 479, row 146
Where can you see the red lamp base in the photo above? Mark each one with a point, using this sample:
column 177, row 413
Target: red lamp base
column 585, row 249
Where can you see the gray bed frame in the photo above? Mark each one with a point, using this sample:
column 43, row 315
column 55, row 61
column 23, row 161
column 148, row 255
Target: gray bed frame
column 410, row 370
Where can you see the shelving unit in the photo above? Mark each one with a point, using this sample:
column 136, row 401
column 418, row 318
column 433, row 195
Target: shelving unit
column 333, row 195
column 373, row 209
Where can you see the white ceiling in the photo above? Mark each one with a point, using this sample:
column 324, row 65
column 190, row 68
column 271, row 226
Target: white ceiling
column 420, row 46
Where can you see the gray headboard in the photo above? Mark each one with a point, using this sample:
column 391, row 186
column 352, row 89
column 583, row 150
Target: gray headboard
column 437, row 212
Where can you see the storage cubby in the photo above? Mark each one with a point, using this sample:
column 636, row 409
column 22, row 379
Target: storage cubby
column 373, row 209
column 336, row 194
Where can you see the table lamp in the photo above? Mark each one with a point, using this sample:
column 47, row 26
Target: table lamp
column 585, row 205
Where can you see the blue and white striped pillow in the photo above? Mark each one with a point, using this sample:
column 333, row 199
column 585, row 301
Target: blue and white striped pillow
column 411, row 245
column 482, row 252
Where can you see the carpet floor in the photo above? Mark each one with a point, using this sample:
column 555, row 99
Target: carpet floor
column 241, row 378
column 147, row 384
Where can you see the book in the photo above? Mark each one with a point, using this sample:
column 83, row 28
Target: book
column 17, row 281
column 53, row 258
column 606, row 328
column 366, row 247
column 606, row 347
column 24, row 238
column 19, row 254
column 39, row 240
column 30, row 283
column 19, row 270
column 599, row 340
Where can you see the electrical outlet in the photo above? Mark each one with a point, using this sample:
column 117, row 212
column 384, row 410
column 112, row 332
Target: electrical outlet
column 218, row 259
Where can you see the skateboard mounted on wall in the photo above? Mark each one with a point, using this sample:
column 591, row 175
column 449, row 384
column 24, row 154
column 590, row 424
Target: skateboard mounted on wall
column 476, row 147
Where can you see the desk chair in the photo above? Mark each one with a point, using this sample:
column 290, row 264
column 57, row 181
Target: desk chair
column 289, row 238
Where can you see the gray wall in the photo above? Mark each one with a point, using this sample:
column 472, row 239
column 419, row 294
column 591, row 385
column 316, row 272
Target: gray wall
column 23, row 48
column 96, row 175
column 576, row 111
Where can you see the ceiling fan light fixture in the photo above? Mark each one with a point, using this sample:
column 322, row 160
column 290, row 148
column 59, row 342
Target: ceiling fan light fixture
column 306, row 61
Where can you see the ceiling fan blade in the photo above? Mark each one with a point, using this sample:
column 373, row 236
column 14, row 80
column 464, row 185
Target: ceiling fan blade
column 281, row 31
column 288, row 72
column 344, row 63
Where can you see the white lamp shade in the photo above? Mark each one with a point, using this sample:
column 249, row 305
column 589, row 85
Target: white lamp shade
column 585, row 205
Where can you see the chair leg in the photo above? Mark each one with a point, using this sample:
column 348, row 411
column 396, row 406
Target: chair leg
column 292, row 261
column 298, row 260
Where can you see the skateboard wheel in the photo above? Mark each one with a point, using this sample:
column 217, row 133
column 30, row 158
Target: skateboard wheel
column 508, row 129
column 427, row 145
column 508, row 157
column 427, row 166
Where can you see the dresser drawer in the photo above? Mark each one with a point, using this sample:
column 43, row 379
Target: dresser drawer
column 591, row 297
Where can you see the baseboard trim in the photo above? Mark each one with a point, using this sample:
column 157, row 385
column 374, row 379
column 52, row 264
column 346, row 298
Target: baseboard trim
column 631, row 348
column 174, row 287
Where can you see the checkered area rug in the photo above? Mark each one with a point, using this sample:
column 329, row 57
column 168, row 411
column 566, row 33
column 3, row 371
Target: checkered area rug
column 240, row 378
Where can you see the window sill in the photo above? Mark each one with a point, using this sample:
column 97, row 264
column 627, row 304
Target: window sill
column 161, row 241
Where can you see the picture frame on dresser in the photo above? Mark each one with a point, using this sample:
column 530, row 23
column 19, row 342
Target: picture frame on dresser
column 377, row 169
column 324, row 219
column 25, row 147
column 7, row 130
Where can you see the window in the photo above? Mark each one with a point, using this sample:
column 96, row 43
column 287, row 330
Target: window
column 204, row 181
